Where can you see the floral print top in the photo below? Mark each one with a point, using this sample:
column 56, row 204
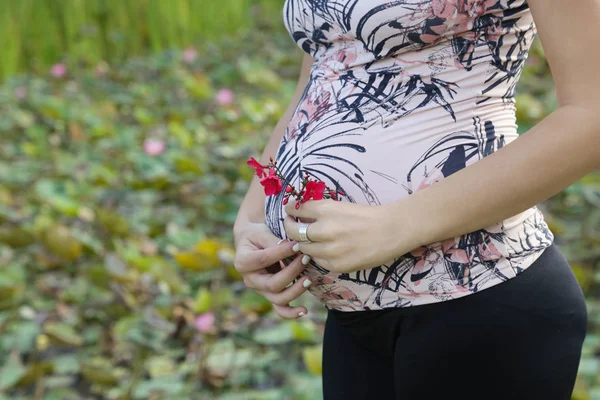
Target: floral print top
column 401, row 95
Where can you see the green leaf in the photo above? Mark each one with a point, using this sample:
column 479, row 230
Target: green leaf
column 12, row 285
column 202, row 302
column 15, row 237
column 168, row 386
column 54, row 193
column 11, row 371
column 20, row 336
column 63, row 333
column 66, row 364
column 270, row 394
column 100, row 370
column 159, row 366
column 303, row 330
column 252, row 301
column 62, row 394
column 278, row 334
column 224, row 356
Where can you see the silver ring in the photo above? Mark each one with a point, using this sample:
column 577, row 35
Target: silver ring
column 302, row 233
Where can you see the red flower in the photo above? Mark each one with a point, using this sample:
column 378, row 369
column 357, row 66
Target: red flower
column 314, row 190
column 271, row 183
column 260, row 169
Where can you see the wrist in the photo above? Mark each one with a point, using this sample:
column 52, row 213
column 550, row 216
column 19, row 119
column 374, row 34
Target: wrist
column 403, row 227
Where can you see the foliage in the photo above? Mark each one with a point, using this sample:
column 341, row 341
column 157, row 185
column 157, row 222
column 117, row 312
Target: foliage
column 118, row 189
column 35, row 34
column 573, row 215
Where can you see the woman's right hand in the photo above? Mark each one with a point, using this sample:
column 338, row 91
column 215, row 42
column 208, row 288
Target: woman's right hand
column 257, row 250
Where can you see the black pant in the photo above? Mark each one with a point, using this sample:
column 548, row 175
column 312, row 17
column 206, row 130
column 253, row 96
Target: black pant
column 520, row 339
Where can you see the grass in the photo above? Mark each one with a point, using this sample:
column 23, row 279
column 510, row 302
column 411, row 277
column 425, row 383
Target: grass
column 35, row 34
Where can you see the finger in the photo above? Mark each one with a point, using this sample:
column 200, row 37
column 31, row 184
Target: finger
column 292, row 228
column 259, row 279
column 305, row 210
column 261, row 259
column 251, row 277
column 316, row 250
column 290, row 312
column 278, row 282
column 281, row 280
column 287, row 295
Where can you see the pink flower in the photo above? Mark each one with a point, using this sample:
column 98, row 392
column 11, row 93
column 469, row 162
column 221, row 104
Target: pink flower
column 271, row 183
column 224, row 97
column 426, row 258
column 313, row 190
column 486, row 250
column 58, row 70
column 455, row 254
column 189, row 55
column 444, row 9
column 312, row 108
column 258, row 168
column 20, row 92
column 205, row 322
column 154, row 147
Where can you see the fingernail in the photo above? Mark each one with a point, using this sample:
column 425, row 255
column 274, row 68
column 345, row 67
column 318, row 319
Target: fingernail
column 301, row 314
column 305, row 259
column 296, row 247
column 307, row 283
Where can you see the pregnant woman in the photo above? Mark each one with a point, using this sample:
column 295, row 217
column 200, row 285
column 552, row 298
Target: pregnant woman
column 439, row 275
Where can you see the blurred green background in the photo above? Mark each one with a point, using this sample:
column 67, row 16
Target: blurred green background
column 124, row 131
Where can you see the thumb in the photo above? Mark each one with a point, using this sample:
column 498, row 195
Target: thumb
column 262, row 250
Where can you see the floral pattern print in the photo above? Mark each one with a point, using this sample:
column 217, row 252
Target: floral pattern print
column 401, row 95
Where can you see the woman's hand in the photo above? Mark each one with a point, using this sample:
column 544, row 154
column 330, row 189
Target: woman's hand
column 348, row 237
column 257, row 255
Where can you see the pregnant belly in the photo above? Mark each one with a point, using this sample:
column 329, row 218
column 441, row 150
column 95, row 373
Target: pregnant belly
column 380, row 162
column 375, row 165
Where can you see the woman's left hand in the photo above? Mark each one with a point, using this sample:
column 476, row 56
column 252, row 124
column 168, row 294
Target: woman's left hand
column 346, row 237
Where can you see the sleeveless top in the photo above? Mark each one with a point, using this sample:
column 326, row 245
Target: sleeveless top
column 401, row 95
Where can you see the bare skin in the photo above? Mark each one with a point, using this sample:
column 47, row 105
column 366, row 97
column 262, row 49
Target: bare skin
column 258, row 260
column 259, row 257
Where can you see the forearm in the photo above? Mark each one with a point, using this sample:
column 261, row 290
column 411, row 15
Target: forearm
column 252, row 207
column 554, row 154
